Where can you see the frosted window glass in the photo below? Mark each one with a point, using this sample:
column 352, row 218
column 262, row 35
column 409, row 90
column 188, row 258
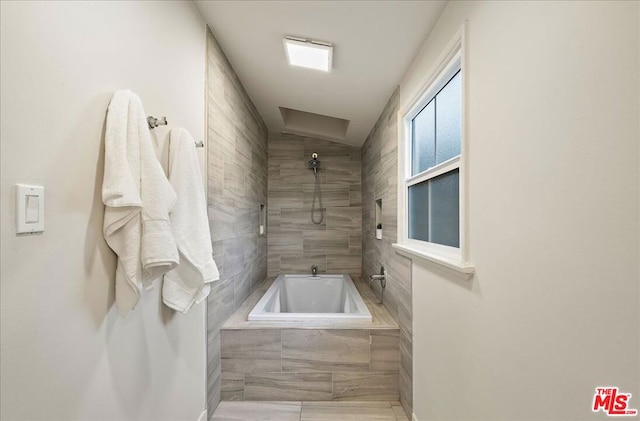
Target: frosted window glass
column 419, row 211
column 423, row 145
column 434, row 204
column 448, row 120
column 444, row 212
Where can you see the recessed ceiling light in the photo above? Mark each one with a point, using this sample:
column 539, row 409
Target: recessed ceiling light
column 308, row 53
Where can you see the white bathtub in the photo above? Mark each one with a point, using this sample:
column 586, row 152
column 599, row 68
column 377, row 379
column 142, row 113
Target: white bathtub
column 321, row 298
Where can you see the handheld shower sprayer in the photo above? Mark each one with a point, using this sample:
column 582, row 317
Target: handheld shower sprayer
column 314, row 164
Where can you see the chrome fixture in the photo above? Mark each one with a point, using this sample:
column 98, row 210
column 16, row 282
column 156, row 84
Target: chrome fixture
column 314, row 164
column 383, row 282
column 155, row 122
column 314, row 270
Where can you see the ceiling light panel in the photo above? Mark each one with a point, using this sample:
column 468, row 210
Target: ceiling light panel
column 308, row 53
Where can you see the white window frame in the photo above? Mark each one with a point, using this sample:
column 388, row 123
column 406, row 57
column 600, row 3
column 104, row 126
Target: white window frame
column 456, row 259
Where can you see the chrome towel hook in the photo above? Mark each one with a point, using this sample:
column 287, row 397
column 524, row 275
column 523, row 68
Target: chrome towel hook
column 155, row 122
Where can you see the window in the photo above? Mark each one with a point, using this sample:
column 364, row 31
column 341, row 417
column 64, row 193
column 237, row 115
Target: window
column 433, row 189
column 431, row 214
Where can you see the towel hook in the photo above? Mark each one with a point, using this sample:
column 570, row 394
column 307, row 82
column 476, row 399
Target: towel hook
column 155, row 122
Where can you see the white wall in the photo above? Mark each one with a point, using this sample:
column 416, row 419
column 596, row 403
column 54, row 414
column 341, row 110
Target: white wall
column 65, row 352
column 552, row 312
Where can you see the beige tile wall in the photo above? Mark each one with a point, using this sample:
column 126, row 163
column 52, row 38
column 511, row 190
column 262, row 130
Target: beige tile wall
column 379, row 181
column 236, row 186
column 310, row 364
column 295, row 243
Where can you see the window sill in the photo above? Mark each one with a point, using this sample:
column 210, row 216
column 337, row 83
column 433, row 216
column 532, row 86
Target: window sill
column 459, row 269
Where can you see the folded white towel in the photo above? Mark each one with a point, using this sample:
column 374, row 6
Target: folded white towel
column 189, row 282
column 137, row 198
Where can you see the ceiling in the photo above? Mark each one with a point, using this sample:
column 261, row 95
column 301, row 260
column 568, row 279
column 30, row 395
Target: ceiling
column 374, row 44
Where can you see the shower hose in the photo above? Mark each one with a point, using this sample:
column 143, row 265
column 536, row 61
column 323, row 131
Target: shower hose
column 316, row 194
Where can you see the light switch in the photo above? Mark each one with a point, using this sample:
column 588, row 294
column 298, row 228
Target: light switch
column 29, row 209
column 32, row 209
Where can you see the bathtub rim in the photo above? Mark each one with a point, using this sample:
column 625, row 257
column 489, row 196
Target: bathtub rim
column 382, row 318
column 364, row 314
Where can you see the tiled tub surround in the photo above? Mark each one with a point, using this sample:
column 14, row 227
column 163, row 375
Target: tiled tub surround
column 236, row 186
column 379, row 181
column 296, row 243
column 355, row 360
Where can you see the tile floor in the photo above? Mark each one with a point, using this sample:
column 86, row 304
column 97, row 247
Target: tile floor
column 309, row 411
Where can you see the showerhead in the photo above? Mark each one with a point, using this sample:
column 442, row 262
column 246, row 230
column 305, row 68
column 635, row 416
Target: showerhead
column 314, row 163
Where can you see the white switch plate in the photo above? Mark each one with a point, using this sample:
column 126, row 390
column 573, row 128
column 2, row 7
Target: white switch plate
column 29, row 207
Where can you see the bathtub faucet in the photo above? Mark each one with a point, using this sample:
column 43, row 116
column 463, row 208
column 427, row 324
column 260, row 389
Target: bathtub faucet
column 383, row 282
column 314, row 270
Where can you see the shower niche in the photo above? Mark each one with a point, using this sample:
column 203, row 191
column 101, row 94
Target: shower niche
column 263, row 220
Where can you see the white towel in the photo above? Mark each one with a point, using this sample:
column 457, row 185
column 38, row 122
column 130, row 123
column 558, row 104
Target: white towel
column 137, row 198
column 189, row 282
column 159, row 253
